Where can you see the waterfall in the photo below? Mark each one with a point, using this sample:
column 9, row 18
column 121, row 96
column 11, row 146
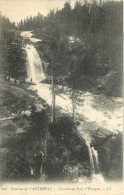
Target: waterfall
column 34, row 65
column 93, row 155
column 96, row 161
column 96, row 176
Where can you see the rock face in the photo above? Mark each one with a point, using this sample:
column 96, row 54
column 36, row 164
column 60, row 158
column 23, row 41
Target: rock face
column 109, row 147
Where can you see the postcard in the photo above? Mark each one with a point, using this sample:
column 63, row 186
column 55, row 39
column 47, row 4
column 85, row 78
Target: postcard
column 61, row 97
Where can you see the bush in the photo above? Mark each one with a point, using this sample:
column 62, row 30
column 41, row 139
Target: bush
column 39, row 119
column 110, row 84
column 62, row 130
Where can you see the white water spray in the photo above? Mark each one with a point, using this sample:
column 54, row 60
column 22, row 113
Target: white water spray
column 93, row 155
column 34, row 65
column 96, row 160
column 97, row 177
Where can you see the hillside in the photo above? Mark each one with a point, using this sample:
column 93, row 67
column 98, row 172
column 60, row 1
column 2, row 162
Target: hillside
column 16, row 106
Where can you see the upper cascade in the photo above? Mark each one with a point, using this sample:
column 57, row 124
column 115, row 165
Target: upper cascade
column 35, row 72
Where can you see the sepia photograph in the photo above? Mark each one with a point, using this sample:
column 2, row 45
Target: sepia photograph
column 61, row 97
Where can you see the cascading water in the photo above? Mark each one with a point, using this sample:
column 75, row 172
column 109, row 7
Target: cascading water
column 91, row 157
column 35, row 72
column 94, row 162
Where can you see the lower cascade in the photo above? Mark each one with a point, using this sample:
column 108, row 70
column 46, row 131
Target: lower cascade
column 35, row 72
column 94, row 162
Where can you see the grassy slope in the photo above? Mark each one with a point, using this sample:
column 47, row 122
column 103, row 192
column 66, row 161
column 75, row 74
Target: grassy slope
column 14, row 125
column 20, row 142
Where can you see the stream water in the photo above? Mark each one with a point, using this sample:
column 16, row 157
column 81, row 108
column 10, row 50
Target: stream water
column 36, row 75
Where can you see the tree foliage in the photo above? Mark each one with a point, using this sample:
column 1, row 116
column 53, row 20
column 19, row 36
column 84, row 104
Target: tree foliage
column 12, row 55
column 97, row 24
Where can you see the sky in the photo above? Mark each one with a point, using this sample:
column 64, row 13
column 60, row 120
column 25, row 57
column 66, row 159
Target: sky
column 16, row 10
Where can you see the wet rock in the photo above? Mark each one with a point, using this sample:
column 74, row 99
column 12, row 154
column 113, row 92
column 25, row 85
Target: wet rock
column 109, row 147
column 100, row 135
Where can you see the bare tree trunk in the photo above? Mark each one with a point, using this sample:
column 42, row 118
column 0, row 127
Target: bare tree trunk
column 5, row 77
column 100, row 2
column 73, row 105
column 15, row 82
column 110, row 38
column 53, row 95
column 43, row 156
column 41, row 168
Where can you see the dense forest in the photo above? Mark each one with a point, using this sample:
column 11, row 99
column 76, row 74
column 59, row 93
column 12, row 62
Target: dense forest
column 86, row 41
column 12, row 55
